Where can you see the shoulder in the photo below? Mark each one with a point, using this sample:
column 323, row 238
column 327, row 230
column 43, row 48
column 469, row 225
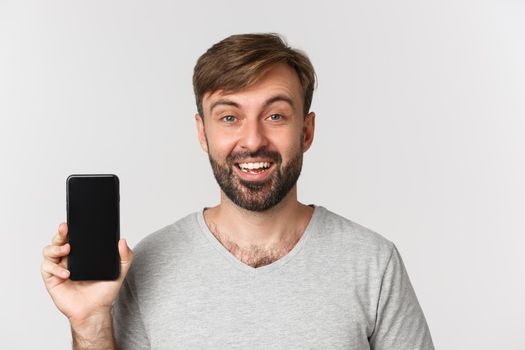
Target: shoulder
column 349, row 237
column 176, row 233
column 162, row 247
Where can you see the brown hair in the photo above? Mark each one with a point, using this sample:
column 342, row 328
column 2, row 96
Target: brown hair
column 238, row 61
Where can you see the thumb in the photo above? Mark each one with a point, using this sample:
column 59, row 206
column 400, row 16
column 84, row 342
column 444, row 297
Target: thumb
column 126, row 256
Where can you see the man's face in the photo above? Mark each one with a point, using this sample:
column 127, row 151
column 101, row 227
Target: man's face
column 255, row 138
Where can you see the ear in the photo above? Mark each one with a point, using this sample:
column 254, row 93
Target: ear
column 200, row 132
column 308, row 128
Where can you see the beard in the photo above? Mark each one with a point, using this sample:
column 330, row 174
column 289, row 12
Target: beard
column 258, row 195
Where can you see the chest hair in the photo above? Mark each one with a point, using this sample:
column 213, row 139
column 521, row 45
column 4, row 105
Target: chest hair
column 257, row 255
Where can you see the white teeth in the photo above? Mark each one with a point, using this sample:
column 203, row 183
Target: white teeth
column 254, row 165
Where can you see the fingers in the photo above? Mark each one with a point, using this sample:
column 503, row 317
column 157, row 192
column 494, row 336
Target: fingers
column 49, row 269
column 55, row 252
column 61, row 236
column 126, row 256
column 54, row 255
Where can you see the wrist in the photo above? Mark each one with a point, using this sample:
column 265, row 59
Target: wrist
column 92, row 320
column 92, row 331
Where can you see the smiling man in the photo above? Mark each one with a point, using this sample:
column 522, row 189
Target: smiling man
column 255, row 139
column 260, row 270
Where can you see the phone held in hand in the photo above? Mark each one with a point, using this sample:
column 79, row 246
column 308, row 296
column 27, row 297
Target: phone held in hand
column 93, row 219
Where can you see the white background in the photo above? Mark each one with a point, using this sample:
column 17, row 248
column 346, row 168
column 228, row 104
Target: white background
column 420, row 137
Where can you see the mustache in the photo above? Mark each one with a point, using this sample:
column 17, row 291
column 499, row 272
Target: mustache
column 260, row 153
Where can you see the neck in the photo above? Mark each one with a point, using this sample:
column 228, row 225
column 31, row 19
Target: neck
column 278, row 226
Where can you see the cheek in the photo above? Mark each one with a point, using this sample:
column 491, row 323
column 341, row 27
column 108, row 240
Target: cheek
column 289, row 145
column 219, row 147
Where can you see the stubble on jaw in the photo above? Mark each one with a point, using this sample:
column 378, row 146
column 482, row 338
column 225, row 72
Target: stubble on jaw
column 258, row 196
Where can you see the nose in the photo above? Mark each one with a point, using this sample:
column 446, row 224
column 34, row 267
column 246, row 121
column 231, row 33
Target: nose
column 253, row 135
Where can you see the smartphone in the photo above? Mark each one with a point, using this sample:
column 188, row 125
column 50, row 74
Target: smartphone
column 93, row 219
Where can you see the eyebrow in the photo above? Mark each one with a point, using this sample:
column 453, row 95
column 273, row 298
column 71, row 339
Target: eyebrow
column 273, row 99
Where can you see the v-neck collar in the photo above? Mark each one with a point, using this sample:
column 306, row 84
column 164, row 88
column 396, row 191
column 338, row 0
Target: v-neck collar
column 205, row 230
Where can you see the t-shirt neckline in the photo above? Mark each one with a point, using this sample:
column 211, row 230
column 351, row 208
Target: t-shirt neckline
column 205, row 230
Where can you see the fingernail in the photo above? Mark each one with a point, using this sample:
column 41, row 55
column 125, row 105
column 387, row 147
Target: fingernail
column 65, row 273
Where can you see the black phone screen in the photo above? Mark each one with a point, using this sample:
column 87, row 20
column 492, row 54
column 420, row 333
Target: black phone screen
column 93, row 226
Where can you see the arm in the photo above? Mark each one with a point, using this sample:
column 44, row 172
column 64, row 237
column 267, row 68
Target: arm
column 94, row 333
column 400, row 322
column 128, row 323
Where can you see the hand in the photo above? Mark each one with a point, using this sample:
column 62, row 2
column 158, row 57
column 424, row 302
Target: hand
column 79, row 300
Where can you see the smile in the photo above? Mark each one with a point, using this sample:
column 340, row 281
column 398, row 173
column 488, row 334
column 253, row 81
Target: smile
column 254, row 171
column 254, row 168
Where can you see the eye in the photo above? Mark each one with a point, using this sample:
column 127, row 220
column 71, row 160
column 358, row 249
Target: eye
column 276, row 117
column 228, row 118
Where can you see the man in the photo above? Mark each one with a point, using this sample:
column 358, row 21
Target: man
column 260, row 270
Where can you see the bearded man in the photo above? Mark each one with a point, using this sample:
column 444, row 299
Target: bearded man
column 260, row 270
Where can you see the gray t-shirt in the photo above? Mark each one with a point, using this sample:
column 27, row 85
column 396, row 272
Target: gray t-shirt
column 342, row 286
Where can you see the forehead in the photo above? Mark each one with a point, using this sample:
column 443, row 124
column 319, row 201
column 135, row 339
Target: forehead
column 280, row 79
